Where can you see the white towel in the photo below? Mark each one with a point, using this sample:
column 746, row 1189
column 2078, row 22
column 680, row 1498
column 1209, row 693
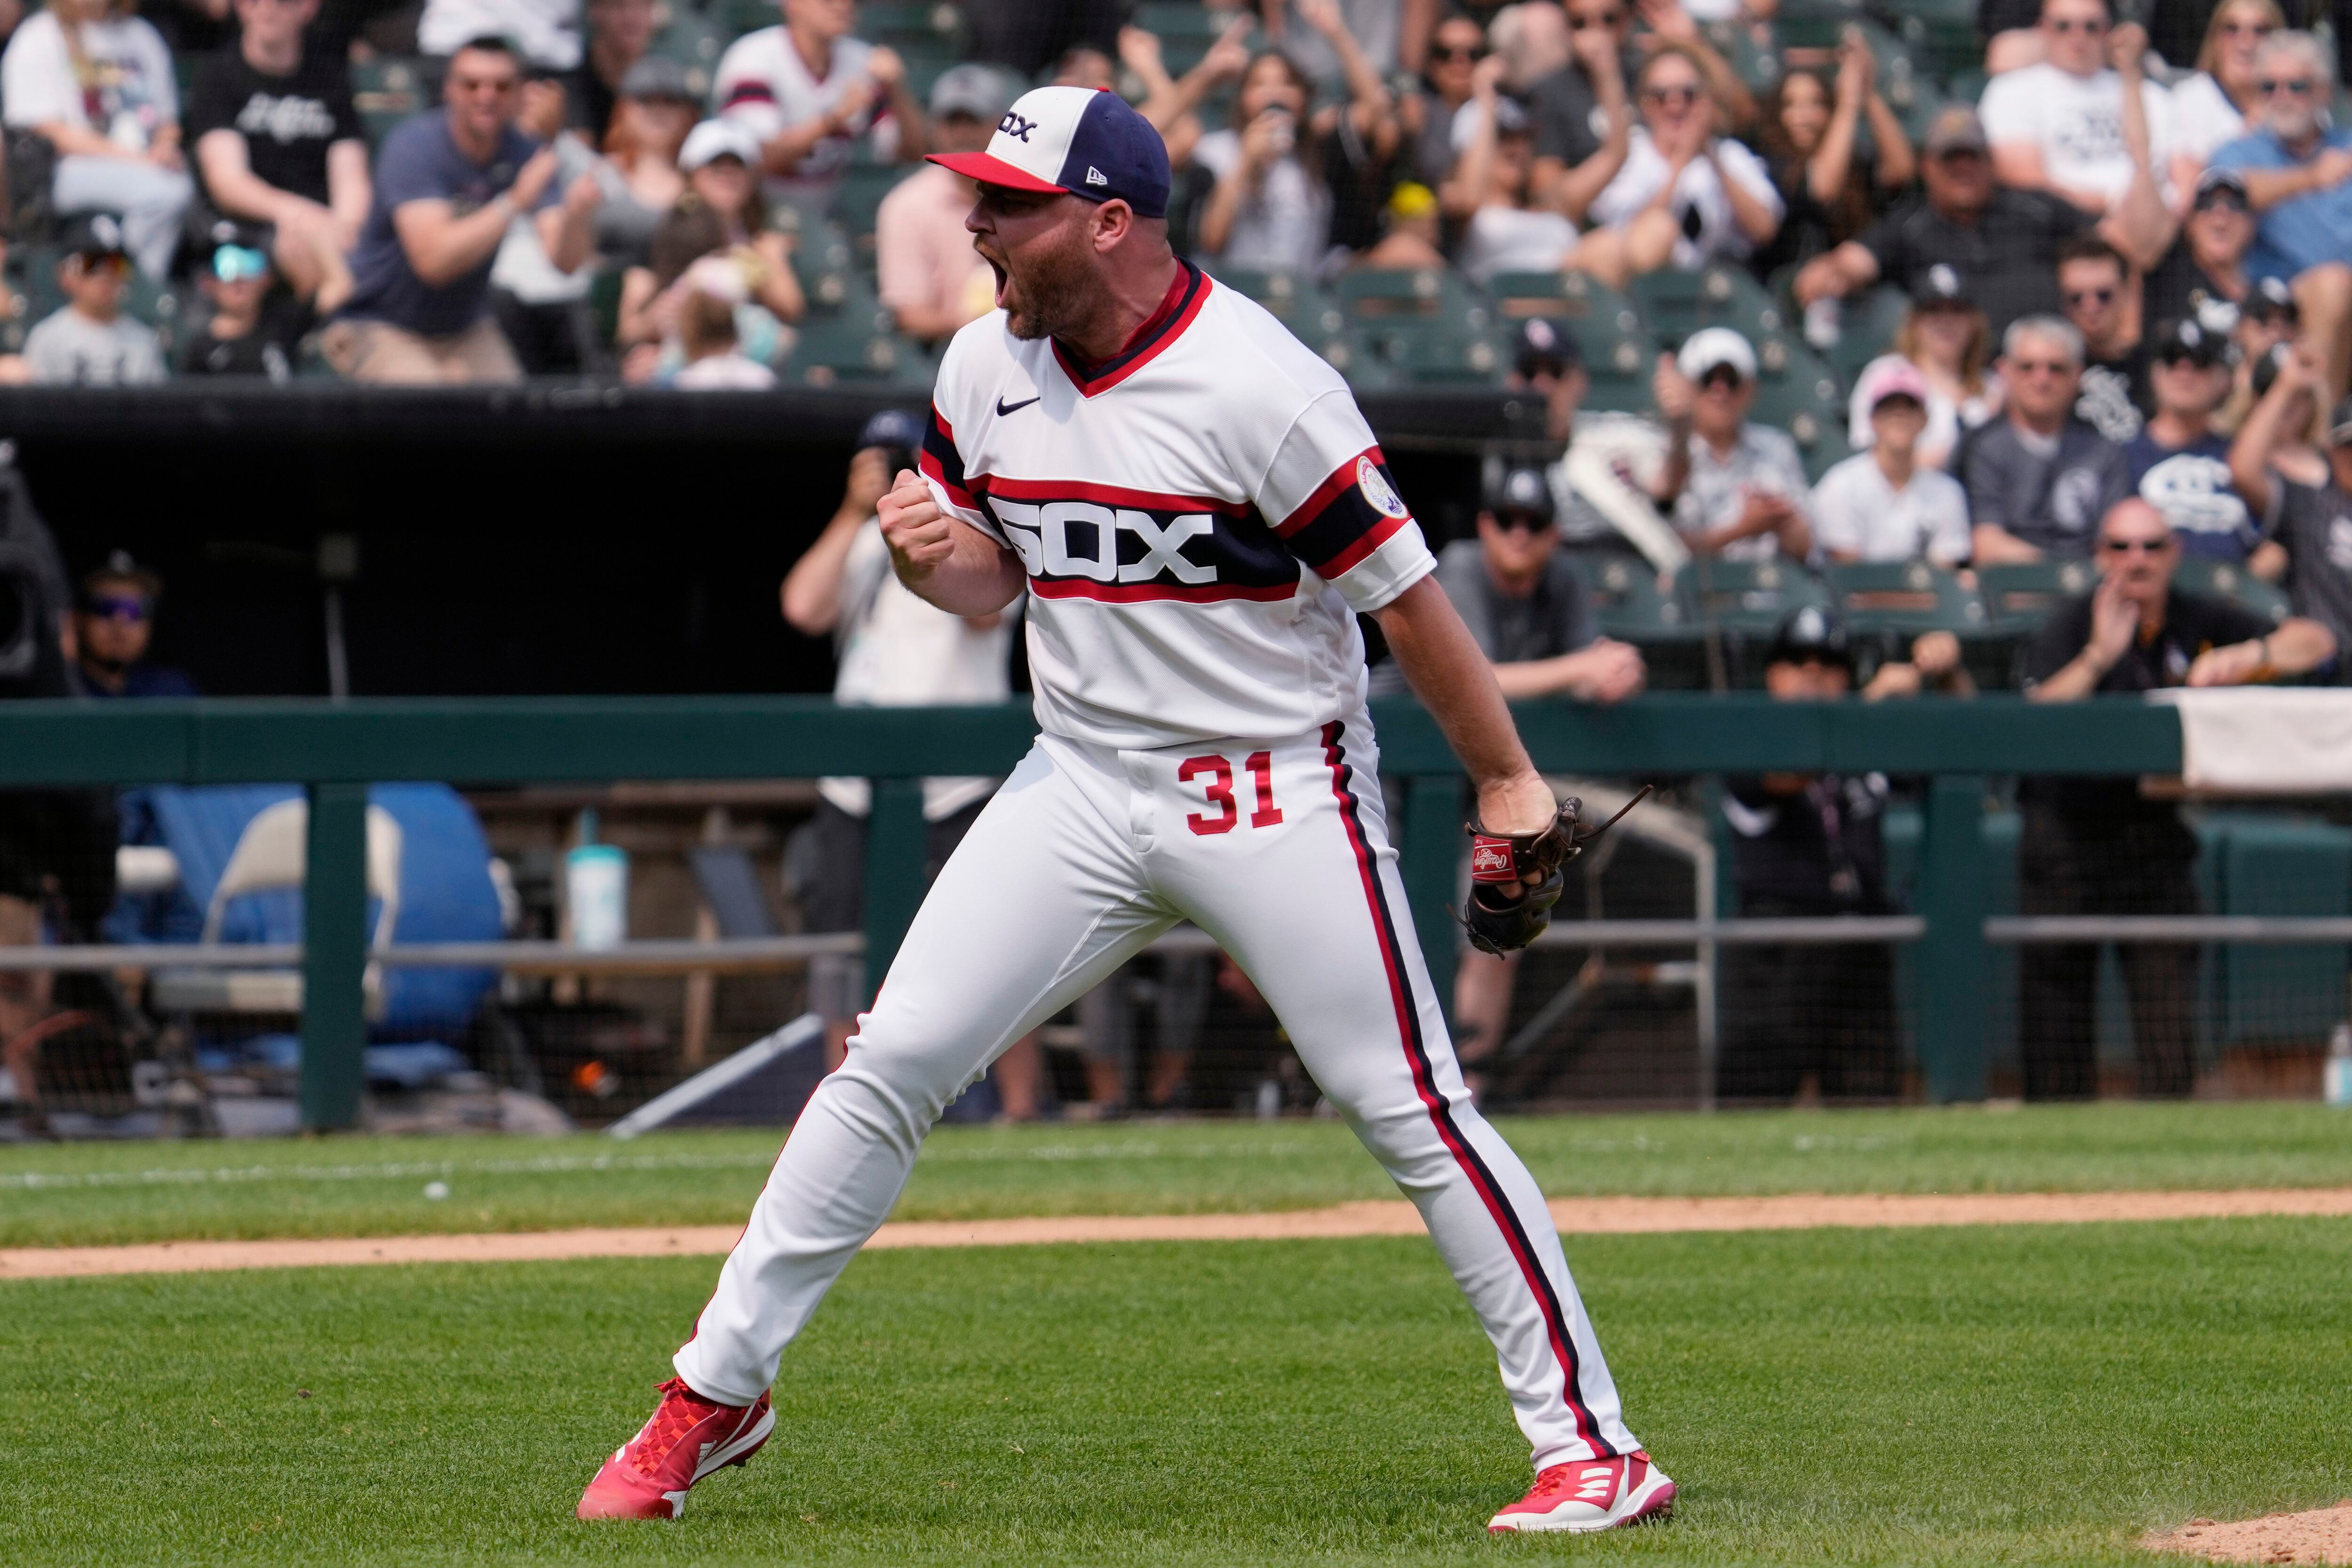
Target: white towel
column 2257, row 740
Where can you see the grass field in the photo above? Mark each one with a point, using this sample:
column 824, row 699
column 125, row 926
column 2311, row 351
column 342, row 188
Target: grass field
column 2009, row 1396
column 94, row 1194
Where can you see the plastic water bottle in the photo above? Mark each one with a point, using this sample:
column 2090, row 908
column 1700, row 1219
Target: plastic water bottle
column 2339, row 1090
column 597, row 890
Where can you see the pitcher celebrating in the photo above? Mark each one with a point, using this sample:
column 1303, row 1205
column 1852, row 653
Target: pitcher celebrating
column 1198, row 511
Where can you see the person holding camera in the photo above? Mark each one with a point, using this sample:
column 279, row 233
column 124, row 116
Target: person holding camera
column 894, row 650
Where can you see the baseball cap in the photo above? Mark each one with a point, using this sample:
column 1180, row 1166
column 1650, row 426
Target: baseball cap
column 971, row 88
column 2215, row 180
column 715, row 139
column 120, row 567
column 1893, row 378
column 1955, row 129
column 1511, row 120
column 1810, row 632
column 2187, row 339
column 656, row 76
column 1546, row 348
column 95, row 234
column 1712, row 346
column 892, row 428
column 1521, row 488
column 1940, row 286
column 2270, row 298
column 1074, row 141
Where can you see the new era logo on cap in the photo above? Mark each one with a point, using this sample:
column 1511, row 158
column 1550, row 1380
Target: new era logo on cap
column 1074, row 139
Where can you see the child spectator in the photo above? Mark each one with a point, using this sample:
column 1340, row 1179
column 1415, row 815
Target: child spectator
column 89, row 341
column 929, row 276
column 808, row 93
column 1686, row 195
column 2212, row 108
column 1738, row 489
column 2176, row 463
column 254, row 328
column 2040, row 481
column 722, row 212
column 448, row 182
column 2102, row 300
column 2084, row 123
column 1882, row 504
column 706, row 332
column 96, row 82
column 277, row 142
column 1812, row 126
column 1946, row 339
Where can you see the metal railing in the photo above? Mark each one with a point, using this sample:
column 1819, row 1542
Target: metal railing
column 335, row 750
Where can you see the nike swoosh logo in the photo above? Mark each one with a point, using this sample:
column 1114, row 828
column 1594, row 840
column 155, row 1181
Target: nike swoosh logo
column 1003, row 408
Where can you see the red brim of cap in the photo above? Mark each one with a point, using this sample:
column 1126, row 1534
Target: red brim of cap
column 994, row 171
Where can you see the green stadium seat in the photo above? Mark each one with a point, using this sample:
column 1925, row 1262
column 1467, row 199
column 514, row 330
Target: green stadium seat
column 1815, row 24
column 2221, row 580
column 386, row 91
column 1903, row 599
column 1444, row 356
column 1185, row 19
column 2019, row 598
column 1633, row 605
column 1409, row 296
column 737, row 17
column 1291, row 298
column 1619, row 356
column 1866, row 329
column 858, row 344
column 904, row 24
column 1675, row 303
column 694, row 41
column 1349, row 352
column 1752, row 597
column 1796, row 393
column 858, row 197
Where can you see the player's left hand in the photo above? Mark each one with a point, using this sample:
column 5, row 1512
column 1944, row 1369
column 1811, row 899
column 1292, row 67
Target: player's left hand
column 920, row 536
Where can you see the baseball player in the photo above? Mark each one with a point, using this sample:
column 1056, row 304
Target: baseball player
column 1198, row 513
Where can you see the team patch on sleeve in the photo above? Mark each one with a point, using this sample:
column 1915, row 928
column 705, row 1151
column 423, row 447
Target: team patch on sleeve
column 1350, row 514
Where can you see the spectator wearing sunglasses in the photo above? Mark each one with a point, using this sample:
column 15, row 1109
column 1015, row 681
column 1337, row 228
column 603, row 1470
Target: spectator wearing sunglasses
column 1737, row 490
column 2215, row 106
column 2303, row 497
column 1687, row 195
column 2039, row 481
column 2298, row 174
column 2206, row 266
column 1448, row 81
column 2096, row 847
column 89, row 341
column 2178, row 464
column 2101, row 298
column 114, row 621
column 255, row 326
column 2084, row 124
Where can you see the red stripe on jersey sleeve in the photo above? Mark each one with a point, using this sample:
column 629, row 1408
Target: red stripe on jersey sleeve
column 1354, row 554
column 1342, row 478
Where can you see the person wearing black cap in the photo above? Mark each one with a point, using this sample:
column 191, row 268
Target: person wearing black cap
column 894, row 650
column 89, row 341
column 1528, row 612
column 1549, row 361
column 2307, row 510
column 1808, row 845
column 620, row 34
column 278, row 142
column 2206, row 265
column 2177, row 462
column 114, row 621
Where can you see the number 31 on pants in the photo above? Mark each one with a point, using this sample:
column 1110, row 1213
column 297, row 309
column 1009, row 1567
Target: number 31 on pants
column 1228, row 811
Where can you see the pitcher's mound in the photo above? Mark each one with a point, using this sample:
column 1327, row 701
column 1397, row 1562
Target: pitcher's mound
column 2315, row 1535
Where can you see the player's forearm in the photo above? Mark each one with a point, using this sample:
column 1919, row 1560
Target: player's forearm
column 1450, row 674
column 979, row 578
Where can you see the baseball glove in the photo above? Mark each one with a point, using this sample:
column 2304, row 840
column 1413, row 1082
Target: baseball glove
column 1500, row 925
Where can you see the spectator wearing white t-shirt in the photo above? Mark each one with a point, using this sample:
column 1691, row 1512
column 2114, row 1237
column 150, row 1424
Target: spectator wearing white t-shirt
column 96, row 82
column 2084, row 124
column 1685, row 195
column 1507, row 232
column 546, row 33
column 1881, row 505
column 810, row 94
column 2216, row 105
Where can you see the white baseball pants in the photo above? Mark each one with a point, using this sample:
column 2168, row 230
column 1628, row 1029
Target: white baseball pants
column 1280, row 852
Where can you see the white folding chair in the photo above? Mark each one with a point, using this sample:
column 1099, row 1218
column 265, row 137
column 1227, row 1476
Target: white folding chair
column 273, row 852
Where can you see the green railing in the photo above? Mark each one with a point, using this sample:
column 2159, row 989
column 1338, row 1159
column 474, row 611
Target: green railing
column 337, row 750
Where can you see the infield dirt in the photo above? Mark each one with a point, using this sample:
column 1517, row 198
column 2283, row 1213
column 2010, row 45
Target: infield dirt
column 1583, row 1216
column 2315, row 1535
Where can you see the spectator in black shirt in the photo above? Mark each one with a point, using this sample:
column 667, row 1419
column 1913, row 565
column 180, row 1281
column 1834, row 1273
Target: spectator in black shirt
column 2040, row 478
column 2308, row 512
column 114, row 622
column 619, row 34
column 1456, row 47
column 1811, row 125
column 2207, row 265
column 2003, row 243
column 1808, row 845
column 2095, row 846
column 1528, row 612
column 255, row 326
column 277, row 142
column 2096, row 289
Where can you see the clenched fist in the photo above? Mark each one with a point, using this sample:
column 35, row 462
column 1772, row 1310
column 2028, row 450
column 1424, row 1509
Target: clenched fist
column 920, row 535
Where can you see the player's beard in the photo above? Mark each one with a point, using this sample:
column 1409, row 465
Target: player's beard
column 1055, row 288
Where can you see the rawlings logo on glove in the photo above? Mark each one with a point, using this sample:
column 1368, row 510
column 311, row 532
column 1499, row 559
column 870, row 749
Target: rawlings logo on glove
column 1498, row 924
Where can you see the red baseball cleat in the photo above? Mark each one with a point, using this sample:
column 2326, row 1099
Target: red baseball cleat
column 687, row 1439
column 1587, row 1495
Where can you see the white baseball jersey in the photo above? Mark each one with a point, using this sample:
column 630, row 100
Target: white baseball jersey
column 764, row 86
column 1200, row 517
